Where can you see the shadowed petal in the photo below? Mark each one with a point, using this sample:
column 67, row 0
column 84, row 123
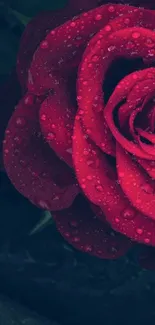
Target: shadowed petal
column 32, row 165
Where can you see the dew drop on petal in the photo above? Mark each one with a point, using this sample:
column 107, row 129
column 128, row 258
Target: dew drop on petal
column 43, row 117
column 107, row 28
column 98, row 17
column 76, row 239
column 44, row 45
column 129, row 213
column 111, row 8
column 135, row 35
column 139, row 231
column 88, row 248
column 50, row 136
column 20, row 121
column 29, row 99
column 147, row 240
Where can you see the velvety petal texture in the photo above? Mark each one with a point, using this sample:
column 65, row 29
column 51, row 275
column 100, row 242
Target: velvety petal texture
column 81, row 141
column 32, row 165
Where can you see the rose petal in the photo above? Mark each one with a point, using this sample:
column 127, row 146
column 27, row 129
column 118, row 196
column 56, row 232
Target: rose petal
column 136, row 184
column 31, row 165
column 63, row 47
column 81, row 228
column 148, row 165
column 99, row 183
column 39, row 27
column 95, row 63
column 131, row 89
column 56, row 119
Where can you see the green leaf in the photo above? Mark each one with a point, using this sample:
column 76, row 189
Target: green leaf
column 45, row 221
column 22, row 18
column 30, row 8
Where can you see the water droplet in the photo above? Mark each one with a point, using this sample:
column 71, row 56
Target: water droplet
column 126, row 20
column 135, row 35
column 149, row 42
column 129, row 213
column 129, row 45
column 67, row 234
column 88, row 248
column 107, row 28
column 50, row 136
column 73, row 24
column 23, row 163
column 89, row 177
column 95, row 58
column 117, row 220
column 76, row 239
column 52, row 32
column 17, row 140
column 111, row 8
column 44, row 45
column 29, row 100
column 111, row 48
column 43, row 117
column 147, row 240
column 98, row 17
column 139, row 231
column 20, row 121
column 99, row 188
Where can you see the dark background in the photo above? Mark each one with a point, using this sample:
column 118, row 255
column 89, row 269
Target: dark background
column 41, row 271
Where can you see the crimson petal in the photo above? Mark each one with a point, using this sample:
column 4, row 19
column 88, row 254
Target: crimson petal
column 132, row 89
column 95, row 63
column 136, row 184
column 56, row 119
column 81, row 228
column 148, row 165
column 31, row 165
column 63, row 47
column 99, row 183
column 39, row 27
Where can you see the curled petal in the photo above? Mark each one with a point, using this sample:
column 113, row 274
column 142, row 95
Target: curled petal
column 136, row 184
column 82, row 229
column 132, row 89
column 63, row 47
column 32, row 165
column 92, row 72
column 56, row 119
column 148, row 165
column 99, row 183
column 38, row 28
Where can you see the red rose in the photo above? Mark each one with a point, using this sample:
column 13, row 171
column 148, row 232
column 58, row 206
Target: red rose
column 85, row 125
